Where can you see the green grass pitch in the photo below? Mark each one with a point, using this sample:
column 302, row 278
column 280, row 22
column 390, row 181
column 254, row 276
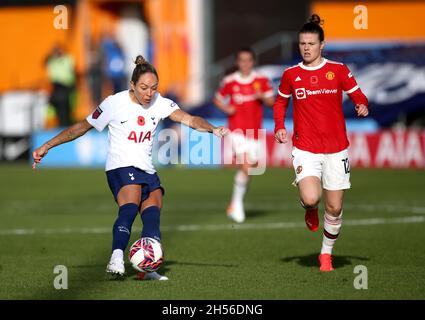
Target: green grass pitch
column 55, row 217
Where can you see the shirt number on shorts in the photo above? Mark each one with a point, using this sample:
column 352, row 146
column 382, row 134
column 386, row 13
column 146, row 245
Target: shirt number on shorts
column 346, row 165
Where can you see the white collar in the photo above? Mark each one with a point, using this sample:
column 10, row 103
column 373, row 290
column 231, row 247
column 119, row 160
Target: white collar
column 245, row 80
column 302, row 66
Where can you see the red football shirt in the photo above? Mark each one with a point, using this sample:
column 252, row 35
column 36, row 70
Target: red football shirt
column 319, row 124
column 243, row 94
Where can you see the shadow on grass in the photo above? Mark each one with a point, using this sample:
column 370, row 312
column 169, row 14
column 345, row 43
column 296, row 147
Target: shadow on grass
column 312, row 260
column 130, row 272
column 84, row 266
column 166, row 267
column 253, row 213
column 199, row 264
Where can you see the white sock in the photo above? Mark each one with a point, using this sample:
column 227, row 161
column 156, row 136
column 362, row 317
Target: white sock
column 117, row 254
column 239, row 187
column 331, row 229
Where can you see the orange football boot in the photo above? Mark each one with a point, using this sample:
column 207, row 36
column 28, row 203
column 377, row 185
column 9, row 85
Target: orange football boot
column 325, row 261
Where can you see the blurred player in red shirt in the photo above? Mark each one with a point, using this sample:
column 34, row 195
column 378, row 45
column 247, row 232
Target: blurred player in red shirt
column 320, row 156
column 241, row 96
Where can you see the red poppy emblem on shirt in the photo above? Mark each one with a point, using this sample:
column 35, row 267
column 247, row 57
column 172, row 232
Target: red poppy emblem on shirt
column 141, row 121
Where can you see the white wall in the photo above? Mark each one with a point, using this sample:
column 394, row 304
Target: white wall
column 197, row 31
column 132, row 35
column 22, row 111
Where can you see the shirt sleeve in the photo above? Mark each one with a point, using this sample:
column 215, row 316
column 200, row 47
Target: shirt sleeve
column 279, row 112
column 350, row 86
column 102, row 116
column 223, row 91
column 168, row 107
column 266, row 88
column 285, row 86
column 349, row 83
column 281, row 103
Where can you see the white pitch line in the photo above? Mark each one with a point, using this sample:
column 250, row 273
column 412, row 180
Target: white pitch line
column 391, row 208
column 220, row 206
column 216, row 227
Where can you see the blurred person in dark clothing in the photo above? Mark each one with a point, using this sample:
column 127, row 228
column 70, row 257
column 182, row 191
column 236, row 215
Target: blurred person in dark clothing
column 113, row 63
column 95, row 72
column 61, row 73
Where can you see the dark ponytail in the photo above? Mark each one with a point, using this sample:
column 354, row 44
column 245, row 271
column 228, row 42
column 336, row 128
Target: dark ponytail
column 313, row 25
column 142, row 67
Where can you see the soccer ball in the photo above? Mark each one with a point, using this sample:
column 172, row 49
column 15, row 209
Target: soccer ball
column 146, row 255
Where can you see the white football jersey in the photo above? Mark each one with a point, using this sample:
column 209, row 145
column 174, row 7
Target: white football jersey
column 131, row 127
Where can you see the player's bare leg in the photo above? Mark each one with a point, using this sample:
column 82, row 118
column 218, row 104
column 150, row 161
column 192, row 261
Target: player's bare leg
column 310, row 193
column 129, row 194
column 332, row 226
column 128, row 199
column 154, row 201
column 235, row 210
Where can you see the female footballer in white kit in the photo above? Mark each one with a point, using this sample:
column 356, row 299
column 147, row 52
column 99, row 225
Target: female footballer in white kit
column 132, row 117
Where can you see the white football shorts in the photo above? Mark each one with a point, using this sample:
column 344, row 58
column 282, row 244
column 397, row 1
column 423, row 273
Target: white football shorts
column 242, row 145
column 333, row 169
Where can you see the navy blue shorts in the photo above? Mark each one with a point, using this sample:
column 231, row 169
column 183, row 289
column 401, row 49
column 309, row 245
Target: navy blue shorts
column 120, row 177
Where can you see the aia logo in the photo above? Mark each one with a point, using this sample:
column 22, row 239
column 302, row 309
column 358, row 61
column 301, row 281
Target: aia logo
column 330, row 75
column 300, row 93
column 141, row 121
column 139, row 137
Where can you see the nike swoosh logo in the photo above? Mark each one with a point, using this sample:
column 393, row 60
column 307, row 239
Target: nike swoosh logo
column 124, row 121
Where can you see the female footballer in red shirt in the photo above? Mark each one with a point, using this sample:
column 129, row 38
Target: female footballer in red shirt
column 320, row 156
column 246, row 91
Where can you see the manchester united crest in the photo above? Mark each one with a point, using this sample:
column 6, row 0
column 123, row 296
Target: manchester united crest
column 330, row 75
column 299, row 169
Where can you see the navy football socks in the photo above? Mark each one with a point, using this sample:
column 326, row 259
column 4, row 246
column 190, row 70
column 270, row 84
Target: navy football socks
column 150, row 219
column 122, row 227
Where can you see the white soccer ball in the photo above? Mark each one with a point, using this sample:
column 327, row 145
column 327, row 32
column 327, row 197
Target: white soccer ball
column 146, row 255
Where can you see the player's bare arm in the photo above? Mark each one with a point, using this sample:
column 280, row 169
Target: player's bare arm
column 268, row 101
column 69, row 134
column 197, row 123
column 265, row 99
column 227, row 109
